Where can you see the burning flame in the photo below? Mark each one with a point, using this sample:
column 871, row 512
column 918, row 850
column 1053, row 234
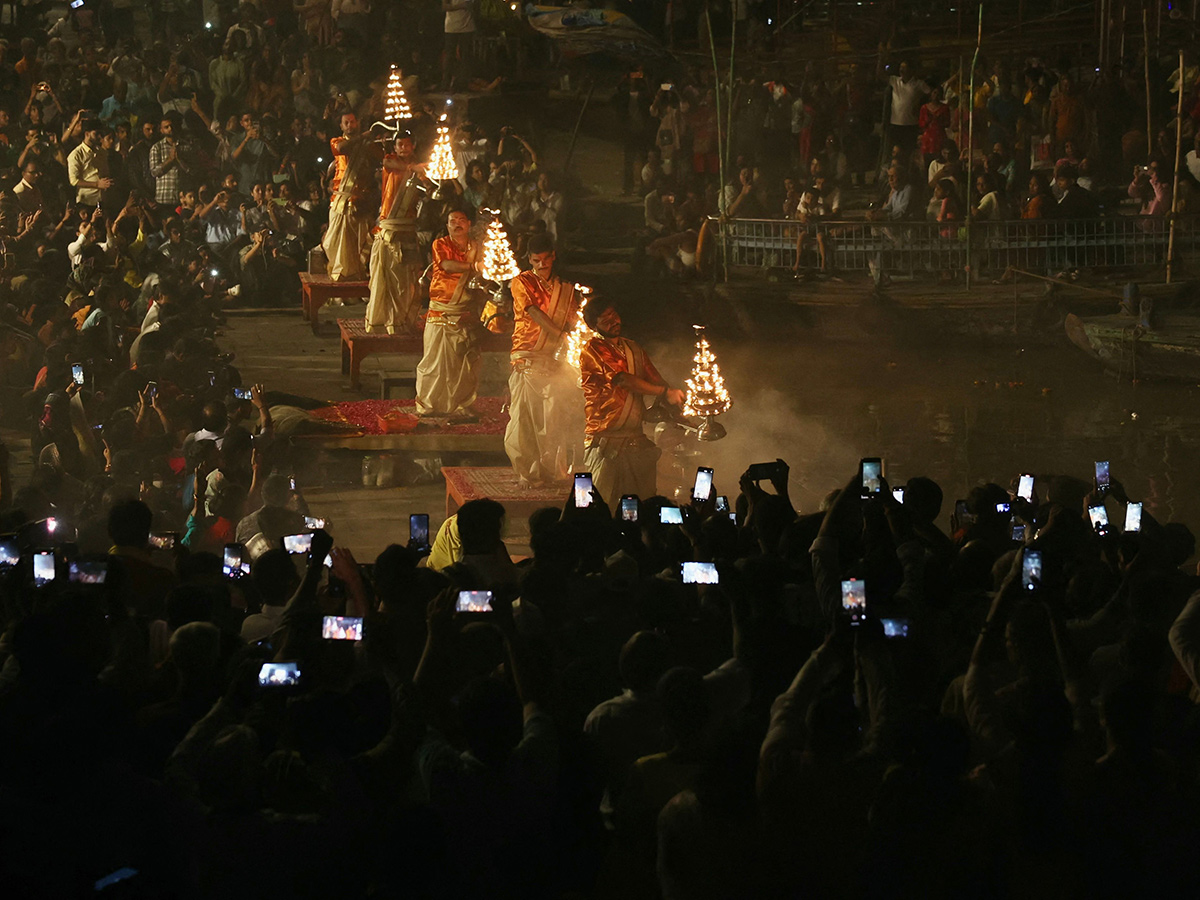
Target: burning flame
column 499, row 264
column 706, row 394
column 395, row 102
column 442, row 166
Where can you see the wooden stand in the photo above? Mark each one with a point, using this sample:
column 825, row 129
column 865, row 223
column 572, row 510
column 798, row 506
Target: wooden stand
column 317, row 290
column 464, row 483
column 357, row 345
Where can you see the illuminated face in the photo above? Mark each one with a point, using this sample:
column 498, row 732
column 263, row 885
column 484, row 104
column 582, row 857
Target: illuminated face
column 404, row 147
column 609, row 322
column 349, row 124
column 457, row 224
column 542, row 263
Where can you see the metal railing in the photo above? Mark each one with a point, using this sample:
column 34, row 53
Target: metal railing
column 915, row 247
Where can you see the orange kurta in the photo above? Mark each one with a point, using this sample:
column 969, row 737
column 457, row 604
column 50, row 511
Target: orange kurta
column 607, row 407
column 393, row 184
column 442, row 284
column 364, row 160
column 554, row 298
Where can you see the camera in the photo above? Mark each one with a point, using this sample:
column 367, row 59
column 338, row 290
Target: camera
column 473, row 602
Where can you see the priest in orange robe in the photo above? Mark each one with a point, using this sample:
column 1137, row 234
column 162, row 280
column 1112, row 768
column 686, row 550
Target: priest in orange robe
column 396, row 259
column 347, row 240
column 616, row 374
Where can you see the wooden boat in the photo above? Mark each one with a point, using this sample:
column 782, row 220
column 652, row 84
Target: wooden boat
column 1169, row 351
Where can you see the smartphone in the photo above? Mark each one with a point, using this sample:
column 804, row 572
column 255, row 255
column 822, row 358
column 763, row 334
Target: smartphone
column 722, row 503
column 10, row 552
column 418, row 530
column 670, row 515
column 342, row 628
column 870, row 471
column 87, row 571
column 583, row 489
column 164, row 540
column 297, row 543
column 75, row 4
column 1004, row 508
column 854, row 600
column 474, row 602
column 43, row 567
column 292, row 482
column 1133, row 517
column 898, row 494
column 279, row 674
column 1099, row 517
column 700, row 573
column 314, row 522
column 963, row 513
column 1031, row 570
column 703, row 486
column 1025, row 487
column 629, row 508
column 1018, row 533
column 235, row 565
column 1102, row 482
column 212, row 376
column 666, row 87
column 762, row 471
column 77, row 373
column 241, row 393
column 152, row 387
column 895, row 628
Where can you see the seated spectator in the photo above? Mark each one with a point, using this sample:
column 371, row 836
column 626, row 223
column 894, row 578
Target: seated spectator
column 1040, row 203
column 274, row 519
column 1074, row 202
column 1154, row 191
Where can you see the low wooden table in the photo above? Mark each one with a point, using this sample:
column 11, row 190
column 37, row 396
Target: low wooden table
column 317, row 290
column 357, row 345
column 464, row 483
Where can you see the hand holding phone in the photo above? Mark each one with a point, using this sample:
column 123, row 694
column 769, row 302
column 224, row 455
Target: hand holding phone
column 1025, row 487
column 854, row 600
column 418, row 531
column 473, row 602
column 1031, row 570
column 342, row 628
column 629, row 508
column 1099, row 518
column 700, row 573
column 870, row 477
column 1133, row 518
column 1103, row 482
column 583, row 490
column 702, row 489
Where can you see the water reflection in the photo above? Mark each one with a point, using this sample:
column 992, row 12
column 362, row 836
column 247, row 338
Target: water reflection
column 961, row 415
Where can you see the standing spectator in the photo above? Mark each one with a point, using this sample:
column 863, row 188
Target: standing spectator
column 28, row 197
column 227, row 81
column 933, row 121
column 353, row 17
column 137, row 163
column 459, row 30
column 165, row 165
column 632, row 105
column 87, row 166
column 671, row 124
column 1068, row 115
column 907, row 91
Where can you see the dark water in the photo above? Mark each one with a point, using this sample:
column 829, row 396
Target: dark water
column 960, row 414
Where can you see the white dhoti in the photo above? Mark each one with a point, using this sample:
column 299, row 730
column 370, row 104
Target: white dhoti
column 395, row 269
column 544, row 402
column 622, row 465
column 448, row 374
column 346, row 241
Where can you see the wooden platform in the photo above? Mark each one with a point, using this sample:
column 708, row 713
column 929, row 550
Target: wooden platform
column 357, row 345
column 394, row 425
column 317, row 290
column 464, row 483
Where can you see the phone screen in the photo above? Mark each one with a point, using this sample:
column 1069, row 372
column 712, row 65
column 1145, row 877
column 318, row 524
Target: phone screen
column 241, row 393
column 43, row 567
column 297, row 543
column 1102, row 483
column 234, row 564
column 898, row 494
column 1133, row 517
column 1025, row 487
column 895, row 628
column 854, row 600
column 279, row 674
column 1099, row 517
column 418, row 529
column 77, row 373
column 629, row 508
column 670, row 515
column 583, row 489
column 1031, row 570
column 152, row 387
column 1004, row 508
column 314, row 522
column 474, row 601
column 1018, row 533
column 84, row 571
column 700, row 573
column 871, row 469
column 722, row 503
column 963, row 513
column 164, row 540
column 342, row 628
column 703, row 485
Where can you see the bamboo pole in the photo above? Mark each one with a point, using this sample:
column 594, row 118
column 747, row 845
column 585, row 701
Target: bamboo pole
column 712, row 44
column 1103, row 33
column 971, row 139
column 1146, row 66
column 1178, row 166
column 1121, row 52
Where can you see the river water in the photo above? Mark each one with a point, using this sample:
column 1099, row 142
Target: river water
column 958, row 413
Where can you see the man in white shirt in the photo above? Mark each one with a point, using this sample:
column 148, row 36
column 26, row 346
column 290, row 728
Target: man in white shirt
column 26, row 191
column 87, row 167
column 456, row 48
column 908, row 93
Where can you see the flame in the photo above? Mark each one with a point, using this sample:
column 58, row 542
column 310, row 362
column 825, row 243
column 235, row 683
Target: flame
column 395, row 102
column 442, row 166
column 499, row 264
column 706, row 394
column 580, row 334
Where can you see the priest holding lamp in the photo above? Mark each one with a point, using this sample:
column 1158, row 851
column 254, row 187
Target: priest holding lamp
column 616, row 374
